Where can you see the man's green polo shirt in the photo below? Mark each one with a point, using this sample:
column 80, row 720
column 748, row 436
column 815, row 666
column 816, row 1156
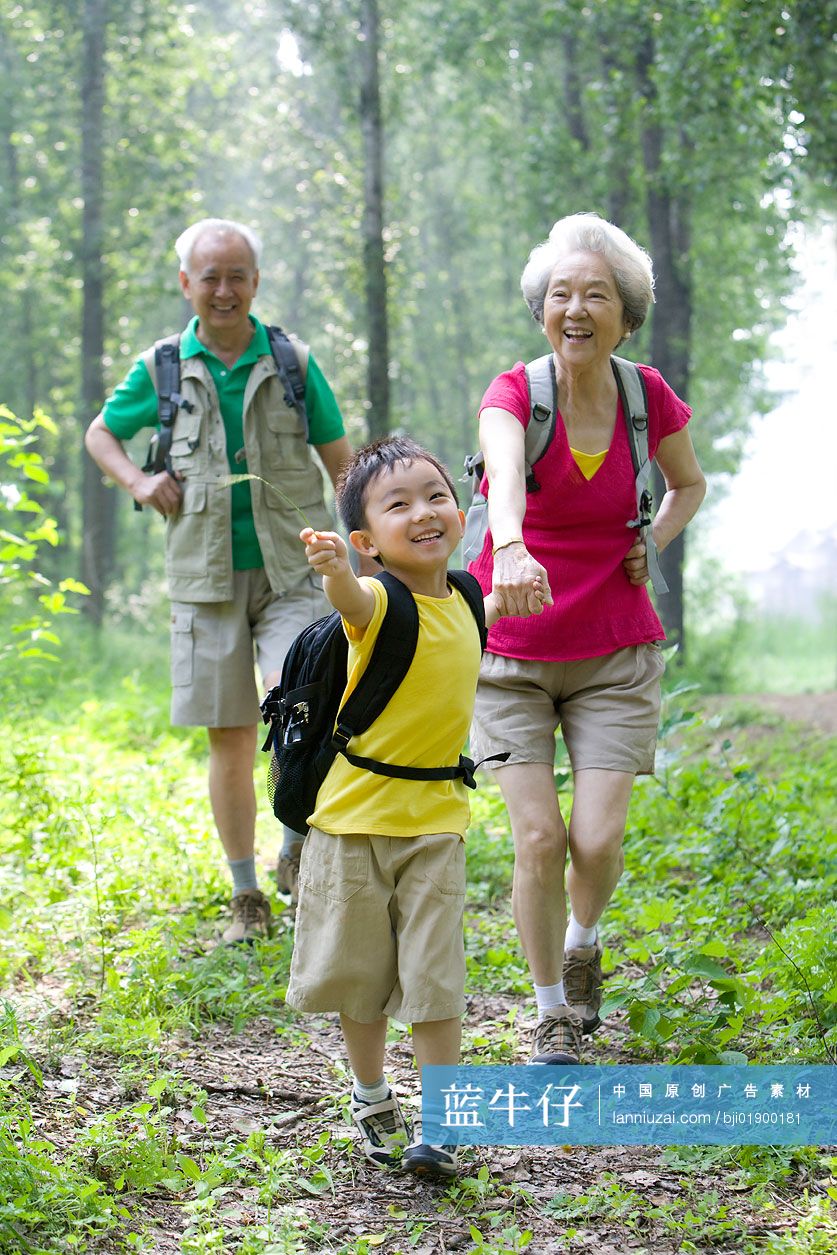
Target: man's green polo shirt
column 133, row 405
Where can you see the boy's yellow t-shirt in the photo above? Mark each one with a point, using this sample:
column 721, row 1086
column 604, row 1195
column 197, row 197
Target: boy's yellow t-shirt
column 425, row 724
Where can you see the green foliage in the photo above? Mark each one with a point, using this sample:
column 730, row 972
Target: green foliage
column 480, row 112
column 29, row 602
column 720, row 947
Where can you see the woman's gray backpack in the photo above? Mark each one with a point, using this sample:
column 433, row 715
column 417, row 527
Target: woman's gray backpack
column 543, row 396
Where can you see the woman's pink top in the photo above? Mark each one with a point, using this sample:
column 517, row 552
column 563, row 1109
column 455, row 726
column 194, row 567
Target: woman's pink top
column 578, row 530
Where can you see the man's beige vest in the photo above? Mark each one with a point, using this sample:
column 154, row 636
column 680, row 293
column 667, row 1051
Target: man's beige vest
column 199, row 539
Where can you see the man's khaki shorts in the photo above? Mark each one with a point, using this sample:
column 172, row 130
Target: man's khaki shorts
column 213, row 646
column 608, row 709
column 379, row 927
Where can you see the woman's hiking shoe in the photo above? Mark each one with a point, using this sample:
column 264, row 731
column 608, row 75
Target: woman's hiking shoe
column 287, row 876
column 557, row 1038
column 382, row 1127
column 583, row 984
column 431, row 1161
column 250, row 918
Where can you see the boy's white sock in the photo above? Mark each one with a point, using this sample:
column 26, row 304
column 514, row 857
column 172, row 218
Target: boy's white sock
column 371, row 1093
column 578, row 935
column 549, row 998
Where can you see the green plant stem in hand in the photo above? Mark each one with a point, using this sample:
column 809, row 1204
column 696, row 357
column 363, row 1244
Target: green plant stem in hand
column 229, row 480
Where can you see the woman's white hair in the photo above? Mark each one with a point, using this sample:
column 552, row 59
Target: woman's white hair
column 633, row 273
column 185, row 243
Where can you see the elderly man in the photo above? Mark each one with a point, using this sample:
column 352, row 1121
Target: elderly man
column 238, row 578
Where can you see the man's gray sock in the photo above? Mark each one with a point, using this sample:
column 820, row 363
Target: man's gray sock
column 291, row 842
column 243, row 874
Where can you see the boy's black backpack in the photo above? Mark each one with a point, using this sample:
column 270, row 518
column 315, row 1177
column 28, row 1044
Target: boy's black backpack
column 306, row 732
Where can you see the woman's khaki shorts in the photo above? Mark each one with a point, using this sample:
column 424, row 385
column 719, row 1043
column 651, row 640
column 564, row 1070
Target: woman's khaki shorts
column 214, row 646
column 608, row 709
column 379, row 927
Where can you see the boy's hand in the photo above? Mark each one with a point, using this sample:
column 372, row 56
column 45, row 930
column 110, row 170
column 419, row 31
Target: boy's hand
column 326, row 552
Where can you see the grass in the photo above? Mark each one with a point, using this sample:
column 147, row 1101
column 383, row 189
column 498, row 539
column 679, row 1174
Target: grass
column 720, row 938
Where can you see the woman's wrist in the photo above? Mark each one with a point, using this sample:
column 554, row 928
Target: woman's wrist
column 515, row 540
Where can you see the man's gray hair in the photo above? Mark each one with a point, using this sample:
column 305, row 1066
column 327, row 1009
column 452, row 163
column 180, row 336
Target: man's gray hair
column 632, row 270
column 185, row 243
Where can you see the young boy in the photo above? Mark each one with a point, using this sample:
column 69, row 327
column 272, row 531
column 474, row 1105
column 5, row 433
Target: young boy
column 382, row 877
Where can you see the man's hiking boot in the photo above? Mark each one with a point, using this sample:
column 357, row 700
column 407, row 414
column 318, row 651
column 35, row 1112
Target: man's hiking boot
column 430, row 1161
column 583, row 984
column 382, row 1127
column 557, row 1038
column 287, row 875
column 250, row 918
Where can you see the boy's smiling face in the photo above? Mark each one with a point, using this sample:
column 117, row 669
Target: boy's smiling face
column 413, row 523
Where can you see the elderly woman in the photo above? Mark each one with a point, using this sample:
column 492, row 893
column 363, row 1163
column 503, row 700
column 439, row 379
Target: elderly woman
column 591, row 662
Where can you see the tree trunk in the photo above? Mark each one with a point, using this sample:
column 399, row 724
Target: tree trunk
column 375, row 281
column 22, row 399
column 668, row 222
column 99, row 502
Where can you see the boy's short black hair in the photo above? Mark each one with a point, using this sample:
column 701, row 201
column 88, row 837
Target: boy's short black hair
column 370, row 462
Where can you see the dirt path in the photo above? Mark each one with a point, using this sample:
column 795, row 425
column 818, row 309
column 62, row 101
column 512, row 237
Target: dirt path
column 288, row 1087
column 819, row 710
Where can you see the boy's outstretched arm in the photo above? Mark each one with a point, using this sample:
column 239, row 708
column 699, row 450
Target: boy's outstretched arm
column 492, row 614
column 328, row 556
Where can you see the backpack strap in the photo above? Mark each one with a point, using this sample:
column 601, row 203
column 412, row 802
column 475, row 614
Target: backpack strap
column 163, row 364
column 634, row 398
column 392, row 656
column 543, row 402
column 543, row 408
column 468, row 585
column 290, row 373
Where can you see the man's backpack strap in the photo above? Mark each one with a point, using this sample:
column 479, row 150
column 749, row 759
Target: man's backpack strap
column 543, row 403
column 634, row 399
column 290, row 372
column 164, row 359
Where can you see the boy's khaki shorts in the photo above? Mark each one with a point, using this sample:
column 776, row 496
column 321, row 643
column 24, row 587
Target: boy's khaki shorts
column 379, row 927
column 213, row 646
column 608, row 709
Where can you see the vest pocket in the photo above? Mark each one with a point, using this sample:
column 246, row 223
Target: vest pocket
column 186, row 438
column 182, row 646
column 187, row 533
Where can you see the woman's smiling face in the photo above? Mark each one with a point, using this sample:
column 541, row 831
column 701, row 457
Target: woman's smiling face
column 583, row 314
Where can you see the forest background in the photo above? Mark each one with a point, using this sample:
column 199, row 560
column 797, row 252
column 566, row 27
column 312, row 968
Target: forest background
column 399, row 165
column 399, row 169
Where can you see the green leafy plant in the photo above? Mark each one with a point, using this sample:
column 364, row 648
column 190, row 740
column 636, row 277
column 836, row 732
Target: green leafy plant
column 29, row 600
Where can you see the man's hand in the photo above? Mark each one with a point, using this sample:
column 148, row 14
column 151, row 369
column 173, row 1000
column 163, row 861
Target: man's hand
column 326, row 552
column 162, row 492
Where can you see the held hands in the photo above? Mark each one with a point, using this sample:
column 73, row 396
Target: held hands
column 326, row 552
column 521, row 585
column 635, row 565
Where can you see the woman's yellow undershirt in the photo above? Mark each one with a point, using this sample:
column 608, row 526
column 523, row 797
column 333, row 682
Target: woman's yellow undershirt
column 588, row 463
